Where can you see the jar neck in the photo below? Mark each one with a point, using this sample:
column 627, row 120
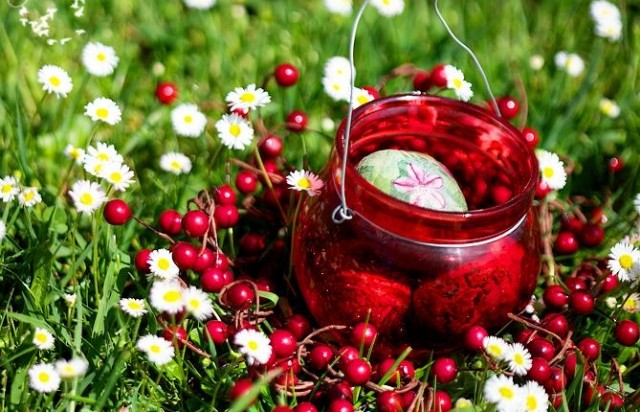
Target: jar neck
column 427, row 123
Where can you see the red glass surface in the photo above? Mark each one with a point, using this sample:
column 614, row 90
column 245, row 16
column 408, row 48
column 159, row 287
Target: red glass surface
column 426, row 276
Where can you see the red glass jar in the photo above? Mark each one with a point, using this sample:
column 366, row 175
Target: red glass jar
column 424, row 276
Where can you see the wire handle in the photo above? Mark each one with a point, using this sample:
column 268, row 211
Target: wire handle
column 342, row 212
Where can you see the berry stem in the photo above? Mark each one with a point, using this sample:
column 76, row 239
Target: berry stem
column 154, row 230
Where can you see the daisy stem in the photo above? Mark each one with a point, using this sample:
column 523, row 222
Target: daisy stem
column 136, row 329
column 293, row 231
column 94, row 262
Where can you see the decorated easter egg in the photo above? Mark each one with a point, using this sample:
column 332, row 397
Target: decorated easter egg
column 413, row 177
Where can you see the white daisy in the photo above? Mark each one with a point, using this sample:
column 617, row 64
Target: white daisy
column 501, row 390
column 70, row 299
column 158, row 350
column 463, row 403
column 361, row 96
column 337, row 67
column 632, row 303
column 9, row 188
column 200, row 4
column 175, row 163
column 495, row 347
column 43, row 339
column 103, row 109
column 534, row 397
column 301, row 180
column 518, row 359
column 611, row 30
column 87, row 196
column 388, row 8
column 569, row 62
column 3, row 230
column 342, row 7
column 69, row 369
column 636, row 200
column 254, row 345
column 603, row 11
column 609, row 108
column 55, row 79
column 104, row 153
column 611, row 302
column 624, row 261
column 167, row 296
column 43, row 378
column 336, row 87
column 29, row 197
column 187, row 120
column 536, row 62
column 162, row 265
column 234, row 131
column 456, row 82
column 74, row 153
column 551, row 169
column 197, row 302
column 132, row 307
column 98, row 59
column 248, row 98
column 117, row 174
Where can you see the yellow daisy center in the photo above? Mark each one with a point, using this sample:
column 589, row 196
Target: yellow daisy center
column 532, row 403
column 506, row 392
column 44, row 377
column 6, row 188
column 29, row 195
column 102, row 156
column 101, row 57
column 630, row 305
column 188, row 119
column 336, row 87
column 304, row 183
column 548, row 172
column 172, row 296
column 68, row 369
column 86, row 199
column 235, row 130
column 363, row 99
column 74, row 153
column 175, row 165
column 133, row 305
column 102, row 113
column 457, row 83
column 495, row 350
column 41, row 337
column 518, row 359
column 55, row 81
column 116, row 177
column 386, row 2
column 626, row 261
column 164, row 264
column 253, row 345
column 155, row 349
column 194, row 303
column 247, row 97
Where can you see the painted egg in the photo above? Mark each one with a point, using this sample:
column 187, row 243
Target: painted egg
column 413, row 177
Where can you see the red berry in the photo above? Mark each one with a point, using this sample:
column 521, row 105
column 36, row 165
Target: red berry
column 142, row 261
column 575, row 283
column 590, row 348
column 581, row 302
column 438, row 77
column 566, row 243
column 375, row 94
column 319, row 357
column 384, row 367
column 175, row 334
column 195, row 223
column 166, row 92
column 609, row 283
column 226, row 216
column 282, row 408
column 283, row 343
column 557, row 380
column 184, row 255
column 252, row 243
column 540, row 370
column 363, row 334
column 542, row 189
column 224, row 195
column 407, row 370
column 615, row 165
column 500, row 194
column 213, row 279
column 571, row 223
column 205, row 259
column 270, row 146
column 509, row 107
column 298, row 325
column 613, row 400
column 357, row 372
column 221, row 261
column 246, row 182
column 445, row 370
column 474, row 337
column 240, row 388
column 389, row 401
column 591, row 235
column 305, row 407
column 116, row 212
column 542, row 348
column 627, row 333
column 531, row 136
column 570, row 364
column 556, row 323
column 297, row 121
column 555, row 296
column 347, row 354
column 525, row 336
column 240, row 296
column 442, row 402
column 340, row 405
column 217, row 331
column 170, row 222
column 286, row 74
column 422, row 81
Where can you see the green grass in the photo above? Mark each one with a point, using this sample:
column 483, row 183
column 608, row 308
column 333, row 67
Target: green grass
column 51, row 249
